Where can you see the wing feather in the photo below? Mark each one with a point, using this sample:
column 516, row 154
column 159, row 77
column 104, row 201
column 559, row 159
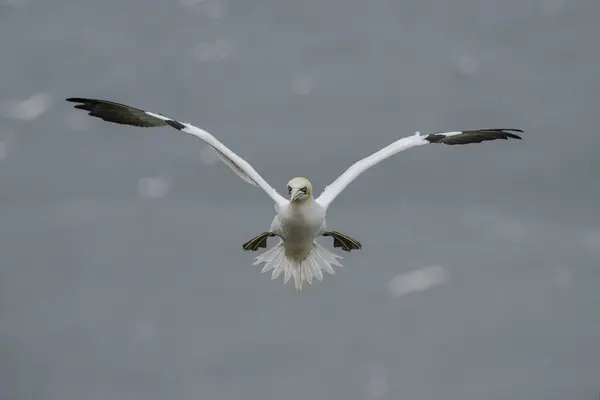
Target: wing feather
column 127, row 115
column 117, row 113
column 474, row 136
column 449, row 138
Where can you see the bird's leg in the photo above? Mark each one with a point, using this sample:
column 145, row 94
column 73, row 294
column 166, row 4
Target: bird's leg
column 258, row 241
column 345, row 242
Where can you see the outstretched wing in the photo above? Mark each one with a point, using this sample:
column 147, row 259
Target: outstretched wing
column 127, row 115
column 449, row 138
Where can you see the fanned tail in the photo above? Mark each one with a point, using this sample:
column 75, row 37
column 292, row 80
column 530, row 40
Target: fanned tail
column 317, row 261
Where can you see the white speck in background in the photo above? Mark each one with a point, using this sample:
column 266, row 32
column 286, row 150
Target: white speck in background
column 29, row 109
column 466, row 63
column 153, row 187
column 190, row 3
column 377, row 386
column 208, row 155
column 592, row 241
column 563, row 278
column 144, row 329
column 215, row 51
column 215, row 9
column 303, row 85
column 417, row 280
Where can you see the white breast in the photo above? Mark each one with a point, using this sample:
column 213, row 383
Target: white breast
column 299, row 224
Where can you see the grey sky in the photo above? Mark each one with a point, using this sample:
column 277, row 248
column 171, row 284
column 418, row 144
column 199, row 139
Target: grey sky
column 121, row 269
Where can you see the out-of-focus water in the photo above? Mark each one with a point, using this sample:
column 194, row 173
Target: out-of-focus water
column 121, row 269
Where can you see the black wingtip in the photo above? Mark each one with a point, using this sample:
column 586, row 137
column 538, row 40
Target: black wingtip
column 475, row 136
column 118, row 113
column 77, row 100
column 512, row 135
column 85, row 104
column 504, row 131
column 85, row 107
column 508, row 133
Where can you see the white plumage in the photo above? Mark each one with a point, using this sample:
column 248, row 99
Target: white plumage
column 300, row 219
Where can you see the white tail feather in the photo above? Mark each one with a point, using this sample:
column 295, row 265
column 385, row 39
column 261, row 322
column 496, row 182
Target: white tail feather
column 317, row 261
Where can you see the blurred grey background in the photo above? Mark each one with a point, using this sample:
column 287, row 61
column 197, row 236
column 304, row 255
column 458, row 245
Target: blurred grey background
column 121, row 269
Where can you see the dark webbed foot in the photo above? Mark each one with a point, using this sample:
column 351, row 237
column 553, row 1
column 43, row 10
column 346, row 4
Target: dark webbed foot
column 258, row 242
column 345, row 242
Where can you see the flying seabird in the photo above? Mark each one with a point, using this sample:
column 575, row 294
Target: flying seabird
column 300, row 218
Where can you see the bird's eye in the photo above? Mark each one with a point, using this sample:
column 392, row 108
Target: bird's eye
column 303, row 189
column 289, row 189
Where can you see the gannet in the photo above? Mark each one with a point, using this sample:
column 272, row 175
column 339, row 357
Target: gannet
column 300, row 218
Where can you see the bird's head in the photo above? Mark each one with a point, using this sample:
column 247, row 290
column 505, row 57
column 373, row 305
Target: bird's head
column 300, row 190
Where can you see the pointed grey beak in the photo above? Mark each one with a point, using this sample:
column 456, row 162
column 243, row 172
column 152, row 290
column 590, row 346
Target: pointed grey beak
column 296, row 193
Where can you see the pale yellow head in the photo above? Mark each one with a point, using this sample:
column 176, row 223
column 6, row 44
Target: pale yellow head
column 299, row 190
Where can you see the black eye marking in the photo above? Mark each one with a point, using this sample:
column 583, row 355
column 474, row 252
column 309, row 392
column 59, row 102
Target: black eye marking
column 303, row 189
column 289, row 189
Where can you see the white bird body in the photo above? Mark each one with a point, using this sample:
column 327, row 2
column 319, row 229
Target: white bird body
column 297, row 255
column 299, row 224
column 300, row 219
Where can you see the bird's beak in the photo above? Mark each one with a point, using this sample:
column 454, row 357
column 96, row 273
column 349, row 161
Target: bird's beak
column 296, row 194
